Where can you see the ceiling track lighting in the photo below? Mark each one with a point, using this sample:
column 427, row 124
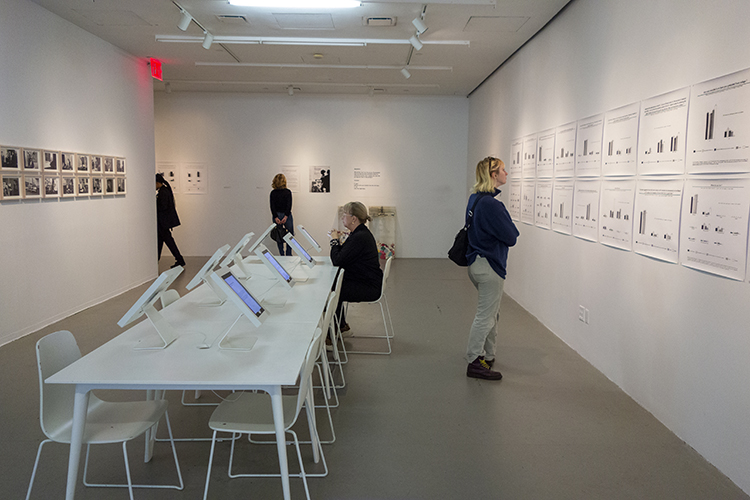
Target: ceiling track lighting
column 208, row 39
column 344, row 42
column 406, row 73
column 185, row 19
column 297, row 4
column 415, row 42
column 421, row 27
column 290, row 89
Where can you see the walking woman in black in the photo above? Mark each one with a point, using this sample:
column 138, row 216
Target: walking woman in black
column 281, row 209
column 166, row 219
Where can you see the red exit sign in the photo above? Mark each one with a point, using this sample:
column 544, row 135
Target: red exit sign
column 156, row 69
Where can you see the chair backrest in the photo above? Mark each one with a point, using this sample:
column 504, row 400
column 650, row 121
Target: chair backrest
column 169, row 296
column 305, row 374
column 339, row 281
column 53, row 353
column 386, row 272
column 325, row 323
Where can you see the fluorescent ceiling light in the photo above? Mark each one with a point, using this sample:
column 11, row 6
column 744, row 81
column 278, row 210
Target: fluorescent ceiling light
column 344, row 42
column 314, row 42
column 298, row 4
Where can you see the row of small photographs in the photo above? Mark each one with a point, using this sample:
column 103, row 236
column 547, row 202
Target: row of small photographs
column 28, row 186
column 15, row 159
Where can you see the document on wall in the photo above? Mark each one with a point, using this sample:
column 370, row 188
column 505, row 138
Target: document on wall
column 616, row 213
column 527, row 201
column 620, row 140
column 529, row 156
column 171, row 173
column 657, row 219
column 195, row 178
column 565, row 150
column 291, row 172
column 586, row 209
column 713, row 233
column 661, row 133
column 543, row 203
column 562, row 206
column 516, row 164
column 514, row 200
column 589, row 146
column 545, row 163
column 719, row 125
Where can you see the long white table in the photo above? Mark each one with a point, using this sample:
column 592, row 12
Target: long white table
column 274, row 361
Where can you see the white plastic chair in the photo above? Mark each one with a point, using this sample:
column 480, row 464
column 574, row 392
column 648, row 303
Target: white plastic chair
column 105, row 422
column 251, row 413
column 384, row 309
column 168, row 297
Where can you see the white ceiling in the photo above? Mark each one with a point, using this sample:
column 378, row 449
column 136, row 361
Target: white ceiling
column 465, row 42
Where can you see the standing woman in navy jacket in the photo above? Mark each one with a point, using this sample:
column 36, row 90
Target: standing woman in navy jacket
column 358, row 257
column 166, row 219
column 491, row 233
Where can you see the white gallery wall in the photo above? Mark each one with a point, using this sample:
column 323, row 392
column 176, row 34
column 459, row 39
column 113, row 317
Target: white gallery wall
column 677, row 340
column 63, row 89
column 417, row 146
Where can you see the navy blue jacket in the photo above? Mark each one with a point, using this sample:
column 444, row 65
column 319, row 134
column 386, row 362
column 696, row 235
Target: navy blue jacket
column 491, row 233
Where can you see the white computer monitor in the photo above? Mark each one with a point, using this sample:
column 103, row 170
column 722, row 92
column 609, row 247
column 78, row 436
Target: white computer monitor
column 249, row 307
column 309, row 238
column 203, row 276
column 237, row 250
column 299, row 250
column 262, row 237
column 145, row 305
column 276, row 268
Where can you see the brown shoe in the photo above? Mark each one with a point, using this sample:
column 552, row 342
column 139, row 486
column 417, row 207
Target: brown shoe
column 480, row 369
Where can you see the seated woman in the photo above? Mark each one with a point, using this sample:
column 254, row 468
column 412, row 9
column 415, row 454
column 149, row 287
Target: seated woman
column 358, row 256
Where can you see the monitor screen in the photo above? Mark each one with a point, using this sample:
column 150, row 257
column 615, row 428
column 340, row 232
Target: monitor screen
column 309, row 237
column 275, row 263
column 301, row 251
column 243, row 294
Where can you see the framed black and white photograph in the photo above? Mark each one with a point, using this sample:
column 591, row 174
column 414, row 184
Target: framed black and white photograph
column 11, row 158
column 120, row 166
column 11, row 187
column 97, row 186
column 109, row 185
column 120, row 185
column 51, row 161
column 83, row 185
column 82, row 165
column 109, row 165
column 32, row 186
column 31, row 160
column 67, row 186
column 67, row 163
column 51, row 186
column 96, row 164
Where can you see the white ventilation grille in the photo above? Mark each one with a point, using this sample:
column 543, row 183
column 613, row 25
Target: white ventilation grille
column 233, row 19
column 379, row 21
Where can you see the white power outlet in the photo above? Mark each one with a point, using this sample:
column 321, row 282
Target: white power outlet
column 581, row 314
column 586, row 316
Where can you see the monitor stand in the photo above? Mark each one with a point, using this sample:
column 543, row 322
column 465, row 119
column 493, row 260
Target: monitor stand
column 239, row 343
column 167, row 334
column 222, row 297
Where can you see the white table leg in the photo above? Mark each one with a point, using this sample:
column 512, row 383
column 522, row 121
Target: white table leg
column 80, row 407
column 278, row 422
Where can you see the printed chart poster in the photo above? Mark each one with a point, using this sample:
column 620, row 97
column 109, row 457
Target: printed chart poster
column 562, row 206
column 545, row 163
column 527, row 202
column 516, row 164
column 320, row 180
column 713, row 232
column 514, row 202
column 586, row 210
column 291, row 173
column 657, row 219
column 661, row 133
column 616, row 213
column 543, row 204
column 719, row 125
column 565, row 150
column 620, row 140
column 529, row 156
column 589, row 146
column 195, row 178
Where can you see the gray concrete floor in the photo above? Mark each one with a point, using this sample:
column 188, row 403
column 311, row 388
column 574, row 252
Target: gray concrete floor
column 410, row 426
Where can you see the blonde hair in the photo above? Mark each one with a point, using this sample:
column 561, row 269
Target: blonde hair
column 279, row 182
column 358, row 210
column 484, row 183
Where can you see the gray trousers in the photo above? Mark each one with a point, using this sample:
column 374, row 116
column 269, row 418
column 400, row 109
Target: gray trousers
column 483, row 333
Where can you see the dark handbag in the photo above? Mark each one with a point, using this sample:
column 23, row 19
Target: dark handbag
column 278, row 233
column 457, row 253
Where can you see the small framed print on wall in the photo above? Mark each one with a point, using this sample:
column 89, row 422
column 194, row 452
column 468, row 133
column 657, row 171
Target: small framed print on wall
column 31, row 160
column 51, row 161
column 97, row 186
column 83, row 185
column 120, row 185
column 32, row 186
column 51, row 186
column 109, row 185
column 10, row 158
column 109, row 165
column 82, row 165
column 120, row 166
column 67, row 163
column 96, row 164
column 11, row 186
column 67, row 186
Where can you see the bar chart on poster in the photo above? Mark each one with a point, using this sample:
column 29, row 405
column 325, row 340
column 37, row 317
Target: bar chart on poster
column 516, row 165
column 589, row 146
column 562, row 206
column 529, row 156
column 620, row 138
column 586, row 209
column 527, row 202
column 543, row 203
column 545, row 149
column 565, row 150
column 657, row 219
column 616, row 213
column 661, row 133
column 514, row 201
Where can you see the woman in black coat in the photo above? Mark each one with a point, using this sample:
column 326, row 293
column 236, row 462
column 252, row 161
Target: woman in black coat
column 166, row 219
column 358, row 257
